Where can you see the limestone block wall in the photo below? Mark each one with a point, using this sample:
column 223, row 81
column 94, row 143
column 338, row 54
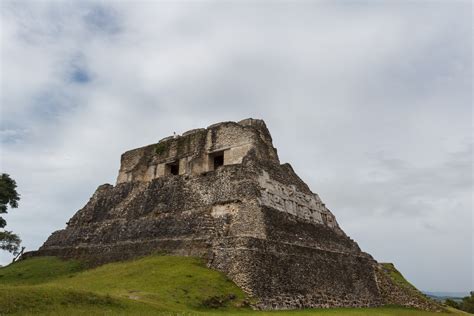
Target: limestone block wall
column 226, row 136
column 288, row 199
column 221, row 204
column 287, row 276
column 236, row 154
column 193, row 153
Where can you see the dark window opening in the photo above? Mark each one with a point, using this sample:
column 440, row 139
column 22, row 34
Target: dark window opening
column 218, row 160
column 173, row 168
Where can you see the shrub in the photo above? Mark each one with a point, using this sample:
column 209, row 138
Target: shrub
column 451, row 303
column 218, row 301
column 160, row 148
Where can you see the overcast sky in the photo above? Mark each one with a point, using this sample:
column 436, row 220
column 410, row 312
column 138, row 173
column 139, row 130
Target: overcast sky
column 370, row 101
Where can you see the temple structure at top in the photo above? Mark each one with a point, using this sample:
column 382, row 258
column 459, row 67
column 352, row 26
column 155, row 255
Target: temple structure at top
column 198, row 151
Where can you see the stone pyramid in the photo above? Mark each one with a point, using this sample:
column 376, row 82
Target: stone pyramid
column 221, row 193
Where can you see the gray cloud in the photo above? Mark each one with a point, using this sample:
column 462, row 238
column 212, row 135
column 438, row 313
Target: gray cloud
column 369, row 101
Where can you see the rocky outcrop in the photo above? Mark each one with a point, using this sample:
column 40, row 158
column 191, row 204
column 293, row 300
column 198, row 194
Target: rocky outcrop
column 221, row 193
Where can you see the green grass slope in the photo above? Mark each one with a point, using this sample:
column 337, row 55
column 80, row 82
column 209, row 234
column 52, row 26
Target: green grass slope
column 155, row 285
column 398, row 279
column 396, row 276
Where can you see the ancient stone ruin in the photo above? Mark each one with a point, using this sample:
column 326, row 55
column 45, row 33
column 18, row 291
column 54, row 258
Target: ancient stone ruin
column 222, row 194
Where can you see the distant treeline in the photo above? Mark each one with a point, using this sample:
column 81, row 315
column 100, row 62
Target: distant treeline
column 465, row 304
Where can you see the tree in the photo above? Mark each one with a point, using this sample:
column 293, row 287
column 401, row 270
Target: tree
column 8, row 197
column 467, row 303
column 451, row 303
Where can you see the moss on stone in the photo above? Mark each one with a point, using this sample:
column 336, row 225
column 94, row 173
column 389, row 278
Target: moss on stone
column 160, row 148
column 396, row 276
column 187, row 143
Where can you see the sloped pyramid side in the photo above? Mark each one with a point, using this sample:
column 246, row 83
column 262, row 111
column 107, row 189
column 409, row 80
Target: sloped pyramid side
column 255, row 220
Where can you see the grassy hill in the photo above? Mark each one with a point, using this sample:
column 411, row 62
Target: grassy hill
column 155, row 285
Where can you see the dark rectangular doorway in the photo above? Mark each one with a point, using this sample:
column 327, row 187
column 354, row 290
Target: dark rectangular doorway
column 173, row 168
column 218, row 160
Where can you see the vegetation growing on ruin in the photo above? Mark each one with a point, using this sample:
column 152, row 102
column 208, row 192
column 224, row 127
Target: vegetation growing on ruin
column 396, row 276
column 185, row 143
column 160, row 148
column 155, row 285
column 182, row 144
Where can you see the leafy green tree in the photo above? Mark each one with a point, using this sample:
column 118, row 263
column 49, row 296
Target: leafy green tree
column 467, row 303
column 451, row 303
column 8, row 197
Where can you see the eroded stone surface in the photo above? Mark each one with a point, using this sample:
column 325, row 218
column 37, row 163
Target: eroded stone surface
column 289, row 200
column 221, row 193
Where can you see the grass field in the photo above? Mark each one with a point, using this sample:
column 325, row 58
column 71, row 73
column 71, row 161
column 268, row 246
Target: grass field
column 155, row 285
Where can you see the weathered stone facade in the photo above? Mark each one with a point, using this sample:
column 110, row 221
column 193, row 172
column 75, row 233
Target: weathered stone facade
column 221, row 193
column 197, row 151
